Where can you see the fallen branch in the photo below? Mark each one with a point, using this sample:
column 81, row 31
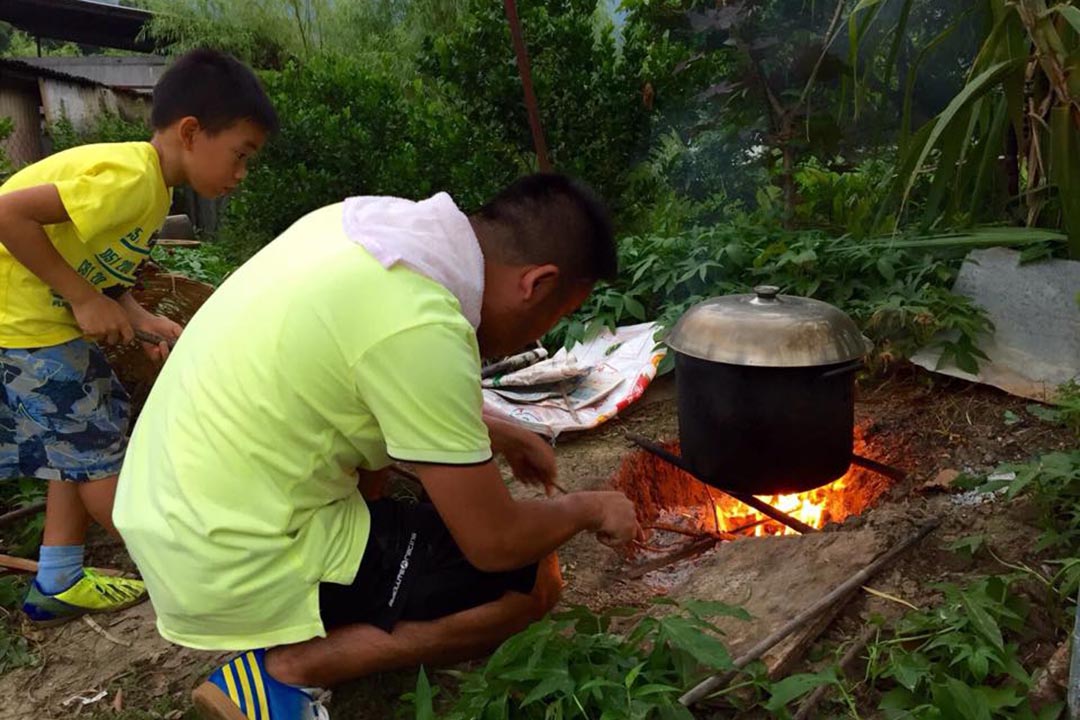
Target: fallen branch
column 895, row 474
column 806, row 709
column 93, row 624
column 687, row 551
column 712, row 683
column 10, row 562
column 694, row 533
column 22, row 512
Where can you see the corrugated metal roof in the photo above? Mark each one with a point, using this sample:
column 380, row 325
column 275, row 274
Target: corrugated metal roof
column 136, row 72
column 19, row 66
column 81, row 21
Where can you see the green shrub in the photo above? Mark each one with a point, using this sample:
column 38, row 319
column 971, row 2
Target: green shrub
column 589, row 86
column 7, row 126
column 108, row 127
column 347, row 131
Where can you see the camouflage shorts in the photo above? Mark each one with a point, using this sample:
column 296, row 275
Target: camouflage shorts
column 64, row 415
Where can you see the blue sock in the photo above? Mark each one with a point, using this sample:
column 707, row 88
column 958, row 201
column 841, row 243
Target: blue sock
column 59, row 567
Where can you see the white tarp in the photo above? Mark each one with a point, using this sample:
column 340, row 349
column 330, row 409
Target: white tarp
column 582, row 388
column 1035, row 309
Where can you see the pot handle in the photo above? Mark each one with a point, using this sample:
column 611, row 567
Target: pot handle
column 843, row 369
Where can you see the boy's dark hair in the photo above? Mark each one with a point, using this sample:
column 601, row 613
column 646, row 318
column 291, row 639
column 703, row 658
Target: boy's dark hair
column 551, row 218
column 215, row 88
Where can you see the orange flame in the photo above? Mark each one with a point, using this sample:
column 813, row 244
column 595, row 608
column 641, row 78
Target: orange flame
column 815, row 508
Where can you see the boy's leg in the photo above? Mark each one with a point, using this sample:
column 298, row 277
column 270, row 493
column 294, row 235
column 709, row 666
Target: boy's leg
column 66, row 518
column 97, row 498
column 67, row 415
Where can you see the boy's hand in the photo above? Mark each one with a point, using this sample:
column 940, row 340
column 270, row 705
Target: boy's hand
column 103, row 319
column 164, row 328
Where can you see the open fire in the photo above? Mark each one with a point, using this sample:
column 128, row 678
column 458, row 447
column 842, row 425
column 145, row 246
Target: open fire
column 667, row 497
column 815, row 507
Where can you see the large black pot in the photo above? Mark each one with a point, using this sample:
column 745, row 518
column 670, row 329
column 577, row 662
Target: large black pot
column 765, row 431
column 766, row 391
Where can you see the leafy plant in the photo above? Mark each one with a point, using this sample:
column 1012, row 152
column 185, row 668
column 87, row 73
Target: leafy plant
column 15, row 651
column 107, row 127
column 1020, row 103
column 210, row 262
column 896, row 288
column 24, row 536
column 1053, row 483
column 379, row 33
column 588, row 84
column 7, row 126
column 969, row 545
column 958, row 660
column 350, row 130
column 1066, row 410
column 578, row 665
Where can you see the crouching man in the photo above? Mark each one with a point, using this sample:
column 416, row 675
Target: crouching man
column 353, row 340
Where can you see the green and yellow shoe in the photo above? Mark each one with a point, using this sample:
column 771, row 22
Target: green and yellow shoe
column 92, row 593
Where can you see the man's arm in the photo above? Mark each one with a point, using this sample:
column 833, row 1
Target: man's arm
column 23, row 215
column 496, row 532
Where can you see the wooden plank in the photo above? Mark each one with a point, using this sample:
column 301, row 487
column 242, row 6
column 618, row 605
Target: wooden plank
column 18, row 564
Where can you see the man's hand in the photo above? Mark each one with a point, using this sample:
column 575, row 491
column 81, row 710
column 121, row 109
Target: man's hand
column 496, row 532
column 102, row 319
column 532, row 461
column 530, row 457
column 618, row 523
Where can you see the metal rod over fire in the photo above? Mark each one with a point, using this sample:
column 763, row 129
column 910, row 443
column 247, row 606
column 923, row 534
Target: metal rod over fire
column 762, row 507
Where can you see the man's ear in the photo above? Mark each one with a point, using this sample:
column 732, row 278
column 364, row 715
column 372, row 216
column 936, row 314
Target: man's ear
column 539, row 282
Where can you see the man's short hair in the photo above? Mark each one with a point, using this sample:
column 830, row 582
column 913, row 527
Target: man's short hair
column 216, row 89
column 551, row 218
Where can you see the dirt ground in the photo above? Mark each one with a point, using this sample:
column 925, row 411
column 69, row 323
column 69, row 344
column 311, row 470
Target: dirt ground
column 919, row 423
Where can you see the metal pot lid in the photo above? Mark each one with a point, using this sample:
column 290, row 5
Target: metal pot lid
column 767, row 329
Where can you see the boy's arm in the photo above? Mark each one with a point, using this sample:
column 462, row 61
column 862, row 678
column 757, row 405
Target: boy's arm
column 143, row 319
column 23, row 215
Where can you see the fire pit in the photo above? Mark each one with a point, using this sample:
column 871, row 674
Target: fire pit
column 672, row 502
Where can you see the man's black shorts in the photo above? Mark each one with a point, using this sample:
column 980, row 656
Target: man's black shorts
column 413, row 570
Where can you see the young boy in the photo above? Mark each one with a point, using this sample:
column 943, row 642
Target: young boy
column 73, row 231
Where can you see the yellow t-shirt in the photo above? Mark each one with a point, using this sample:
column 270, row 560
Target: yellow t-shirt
column 238, row 494
column 116, row 198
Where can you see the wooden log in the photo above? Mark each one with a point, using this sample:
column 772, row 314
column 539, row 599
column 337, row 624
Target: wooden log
column 10, row 562
column 714, row 682
column 687, row 551
column 177, row 243
column 26, row 510
column 807, row 707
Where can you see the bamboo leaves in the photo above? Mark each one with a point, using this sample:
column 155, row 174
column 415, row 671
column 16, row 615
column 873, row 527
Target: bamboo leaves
column 1024, row 86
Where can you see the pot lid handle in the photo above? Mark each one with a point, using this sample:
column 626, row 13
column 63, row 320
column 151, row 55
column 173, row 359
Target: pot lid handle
column 765, row 294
